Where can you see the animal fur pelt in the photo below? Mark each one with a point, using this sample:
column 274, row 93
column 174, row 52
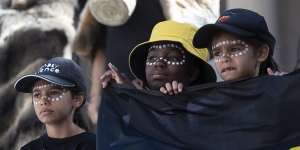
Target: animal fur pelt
column 18, row 124
column 196, row 12
column 31, row 31
column 91, row 34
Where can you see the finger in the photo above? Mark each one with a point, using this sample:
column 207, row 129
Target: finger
column 169, row 88
column 103, row 76
column 137, row 83
column 105, row 81
column 113, row 67
column 270, row 71
column 118, row 78
column 283, row 73
column 106, row 75
column 104, row 84
column 180, row 87
column 115, row 73
column 175, row 87
column 106, row 78
column 163, row 90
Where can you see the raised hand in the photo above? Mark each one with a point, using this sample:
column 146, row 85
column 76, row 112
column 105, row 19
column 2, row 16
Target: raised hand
column 112, row 74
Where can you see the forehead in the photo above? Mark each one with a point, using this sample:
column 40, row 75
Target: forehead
column 40, row 83
column 225, row 36
column 165, row 50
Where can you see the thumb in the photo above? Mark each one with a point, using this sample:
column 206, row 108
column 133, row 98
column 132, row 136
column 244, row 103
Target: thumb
column 270, row 71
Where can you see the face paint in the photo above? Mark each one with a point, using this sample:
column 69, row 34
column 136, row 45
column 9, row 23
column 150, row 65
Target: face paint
column 43, row 86
column 219, row 55
column 168, row 60
column 52, row 94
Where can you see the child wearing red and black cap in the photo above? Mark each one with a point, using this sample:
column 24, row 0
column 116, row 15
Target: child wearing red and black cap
column 58, row 91
column 240, row 44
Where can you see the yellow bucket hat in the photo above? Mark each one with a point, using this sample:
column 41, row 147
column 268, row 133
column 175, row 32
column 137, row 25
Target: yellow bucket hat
column 174, row 32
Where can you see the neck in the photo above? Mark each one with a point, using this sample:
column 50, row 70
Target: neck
column 63, row 129
column 257, row 68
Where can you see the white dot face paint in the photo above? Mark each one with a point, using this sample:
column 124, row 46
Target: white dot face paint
column 53, row 93
column 173, row 61
column 219, row 55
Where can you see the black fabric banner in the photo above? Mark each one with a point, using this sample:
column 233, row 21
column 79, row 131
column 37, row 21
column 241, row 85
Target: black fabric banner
column 259, row 113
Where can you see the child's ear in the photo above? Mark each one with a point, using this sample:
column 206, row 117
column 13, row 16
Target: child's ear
column 263, row 53
column 78, row 100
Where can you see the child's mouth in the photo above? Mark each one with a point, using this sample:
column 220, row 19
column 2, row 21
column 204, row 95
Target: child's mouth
column 46, row 112
column 159, row 75
column 227, row 69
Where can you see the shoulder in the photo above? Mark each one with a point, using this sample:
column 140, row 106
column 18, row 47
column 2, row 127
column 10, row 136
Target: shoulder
column 32, row 145
column 84, row 141
column 87, row 137
column 87, row 140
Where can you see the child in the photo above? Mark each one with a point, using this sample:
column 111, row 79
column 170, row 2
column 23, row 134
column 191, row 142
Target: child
column 240, row 45
column 168, row 61
column 58, row 91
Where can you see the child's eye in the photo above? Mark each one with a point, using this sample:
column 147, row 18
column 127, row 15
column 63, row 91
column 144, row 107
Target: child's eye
column 235, row 49
column 54, row 92
column 216, row 53
column 36, row 95
column 151, row 58
column 173, row 58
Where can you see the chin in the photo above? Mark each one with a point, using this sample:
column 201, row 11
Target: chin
column 46, row 121
column 155, row 85
column 229, row 77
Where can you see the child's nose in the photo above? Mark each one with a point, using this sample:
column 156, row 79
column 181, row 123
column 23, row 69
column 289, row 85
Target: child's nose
column 161, row 62
column 223, row 59
column 226, row 59
column 44, row 100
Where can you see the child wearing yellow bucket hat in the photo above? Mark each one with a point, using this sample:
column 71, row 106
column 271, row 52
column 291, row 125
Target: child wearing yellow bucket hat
column 168, row 60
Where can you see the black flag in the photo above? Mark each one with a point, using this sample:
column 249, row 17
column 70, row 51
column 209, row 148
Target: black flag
column 258, row 113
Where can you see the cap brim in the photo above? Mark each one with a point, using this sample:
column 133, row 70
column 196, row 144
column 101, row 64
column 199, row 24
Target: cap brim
column 204, row 35
column 137, row 60
column 25, row 83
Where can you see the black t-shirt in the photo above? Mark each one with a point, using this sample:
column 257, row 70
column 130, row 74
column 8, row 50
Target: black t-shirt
column 83, row 141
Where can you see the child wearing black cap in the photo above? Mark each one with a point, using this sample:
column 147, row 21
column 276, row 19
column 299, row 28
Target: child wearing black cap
column 240, row 44
column 58, row 91
column 168, row 61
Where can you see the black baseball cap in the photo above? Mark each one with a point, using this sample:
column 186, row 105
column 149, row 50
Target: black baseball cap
column 241, row 22
column 59, row 71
